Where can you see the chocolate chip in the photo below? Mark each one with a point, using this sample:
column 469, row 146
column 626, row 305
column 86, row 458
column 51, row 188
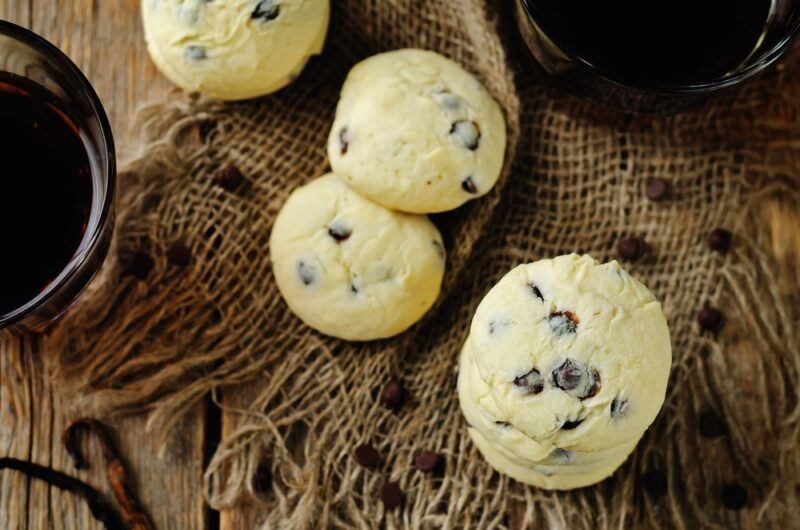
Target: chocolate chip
column 139, row 265
column 179, row 254
column 229, row 177
column 503, row 424
column 468, row 133
column 531, row 383
column 354, row 287
column 391, row 496
column 657, row 189
column 711, row 319
column 734, row 496
column 631, row 248
column 427, row 461
column 720, row 239
column 654, row 483
column 569, row 425
column 305, row 272
column 339, row 231
column 196, row 52
column 563, row 322
column 262, row 480
column 711, row 425
column 448, row 99
column 366, row 455
column 266, row 10
column 561, row 456
column 536, row 292
column 344, row 140
column 468, row 185
column 619, row 408
column 394, row 395
column 575, row 380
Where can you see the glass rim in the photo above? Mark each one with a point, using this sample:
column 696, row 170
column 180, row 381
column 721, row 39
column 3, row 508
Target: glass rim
column 759, row 63
column 108, row 166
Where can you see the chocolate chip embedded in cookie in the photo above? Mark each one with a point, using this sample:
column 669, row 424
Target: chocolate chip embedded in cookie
column 530, row 383
column 576, row 380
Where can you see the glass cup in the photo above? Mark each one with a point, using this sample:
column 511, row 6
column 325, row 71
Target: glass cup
column 25, row 54
column 588, row 81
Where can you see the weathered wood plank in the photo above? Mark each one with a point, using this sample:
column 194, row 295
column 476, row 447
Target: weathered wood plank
column 105, row 40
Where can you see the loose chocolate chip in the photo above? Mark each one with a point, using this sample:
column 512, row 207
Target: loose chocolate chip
column 266, row 10
column 262, row 480
column 305, row 272
column 711, row 425
column 657, row 189
column 427, row 461
column 139, row 265
column 563, row 322
column 734, row 496
column 391, row 496
column 536, row 292
column 575, row 380
column 569, row 425
column 339, row 231
column 720, row 239
column 394, row 395
column 179, row 254
column 344, row 140
column 711, row 319
column 654, row 483
column 468, row 185
column 366, row 455
column 619, row 407
column 531, row 383
column 229, row 177
column 468, row 133
column 196, row 52
column 631, row 248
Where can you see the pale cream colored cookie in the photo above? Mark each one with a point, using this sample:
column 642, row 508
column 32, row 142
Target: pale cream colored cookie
column 351, row 268
column 565, row 367
column 415, row 132
column 234, row 49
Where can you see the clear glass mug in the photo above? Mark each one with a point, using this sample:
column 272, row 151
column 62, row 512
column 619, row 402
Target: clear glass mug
column 590, row 82
column 25, row 54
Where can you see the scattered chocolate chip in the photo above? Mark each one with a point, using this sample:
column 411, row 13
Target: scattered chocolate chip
column 391, row 496
column 262, row 480
column 575, row 380
column 344, row 140
column 229, row 177
column 139, row 265
column 266, row 10
column 654, row 483
column 468, row 185
column 179, row 254
column 657, row 189
column 619, row 407
column 536, row 292
column 394, row 395
column 196, row 52
column 711, row 425
column 734, row 496
column 711, row 319
column 427, row 461
column 366, row 455
column 631, row 248
column 339, row 231
column 305, row 272
column 468, row 133
column 563, row 322
column 569, row 425
column 720, row 239
column 531, row 383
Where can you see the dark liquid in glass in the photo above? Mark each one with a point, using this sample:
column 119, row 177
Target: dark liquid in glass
column 656, row 42
column 45, row 190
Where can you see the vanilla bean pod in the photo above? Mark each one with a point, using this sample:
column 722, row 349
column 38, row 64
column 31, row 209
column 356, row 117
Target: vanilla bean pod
column 132, row 511
column 101, row 508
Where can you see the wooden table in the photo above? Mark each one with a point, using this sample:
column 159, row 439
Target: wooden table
column 104, row 37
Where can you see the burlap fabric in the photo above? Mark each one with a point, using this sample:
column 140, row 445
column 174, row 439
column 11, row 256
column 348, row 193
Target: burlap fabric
column 574, row 181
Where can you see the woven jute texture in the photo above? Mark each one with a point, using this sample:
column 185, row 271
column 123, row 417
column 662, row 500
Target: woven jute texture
column 574, row 182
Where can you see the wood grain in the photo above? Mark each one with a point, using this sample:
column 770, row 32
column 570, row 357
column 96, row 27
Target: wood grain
column 104, row 38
